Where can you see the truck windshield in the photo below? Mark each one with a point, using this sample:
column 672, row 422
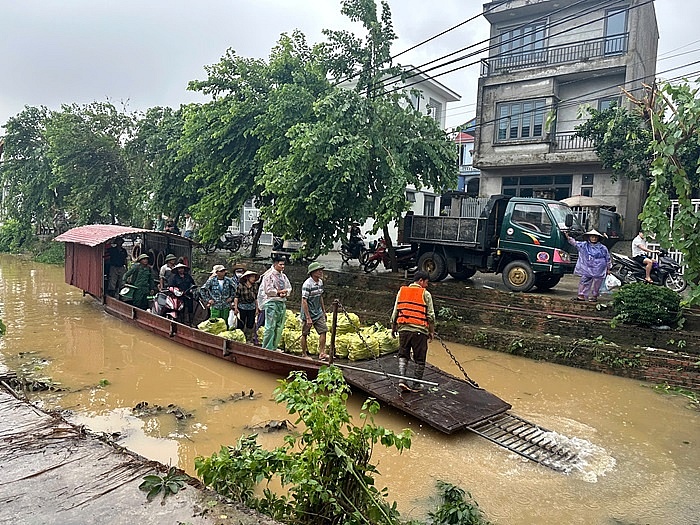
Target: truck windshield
column 559, row 212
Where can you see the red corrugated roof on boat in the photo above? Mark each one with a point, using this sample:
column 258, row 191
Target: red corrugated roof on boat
column 94, row 234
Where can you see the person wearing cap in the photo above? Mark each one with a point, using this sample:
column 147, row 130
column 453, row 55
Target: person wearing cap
column 276, row 287
column 313, row 311
column 144, row 279
column 166, row 270
column 116, row 258
column 181, row 279
column 592, row 266
column 218, row 292
column 245, row 303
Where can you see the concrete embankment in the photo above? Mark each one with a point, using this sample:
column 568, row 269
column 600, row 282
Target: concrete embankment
column 52, row 472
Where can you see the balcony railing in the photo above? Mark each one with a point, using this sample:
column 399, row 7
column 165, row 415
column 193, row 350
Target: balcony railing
column 563, row 54
column 568, row 141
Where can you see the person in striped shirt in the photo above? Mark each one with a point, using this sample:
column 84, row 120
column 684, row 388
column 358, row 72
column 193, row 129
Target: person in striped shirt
column 313, row 311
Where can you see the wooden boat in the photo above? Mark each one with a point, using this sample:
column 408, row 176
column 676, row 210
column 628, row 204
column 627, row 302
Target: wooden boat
column 457, row 406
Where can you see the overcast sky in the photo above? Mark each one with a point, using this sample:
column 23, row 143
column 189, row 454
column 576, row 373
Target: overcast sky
column 144, row 52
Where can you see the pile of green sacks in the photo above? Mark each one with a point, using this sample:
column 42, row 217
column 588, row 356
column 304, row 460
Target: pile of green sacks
column 352, row 340
column 218, row 327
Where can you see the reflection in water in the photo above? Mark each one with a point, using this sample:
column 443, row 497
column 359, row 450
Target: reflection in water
column 642, row 465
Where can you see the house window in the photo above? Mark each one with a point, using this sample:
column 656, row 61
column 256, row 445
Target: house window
column 429, row 205
column 615, row 27
column 587, row 185
column 411, row 196
column 521, row 45
column 435, row 108
column 608, row 102
column 520, row 120
column 556, row 187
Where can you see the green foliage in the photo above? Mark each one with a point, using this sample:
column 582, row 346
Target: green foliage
column 3, row 328
column 170, row 483
column 326, row 470
column 621, row 139
column 646, row 305
column 457, row 507
column 14, row 236
column 675, row 121
column 51, row 253
column 160, row 174
column 693, row 397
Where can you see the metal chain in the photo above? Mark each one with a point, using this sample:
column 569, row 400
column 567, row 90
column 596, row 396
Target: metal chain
column 464, row 372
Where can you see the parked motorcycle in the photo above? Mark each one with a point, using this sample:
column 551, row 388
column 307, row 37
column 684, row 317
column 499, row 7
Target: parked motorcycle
column 290, row 249
column 666, row 272
column 171, row 303
column 228, row 241
column 370, row 259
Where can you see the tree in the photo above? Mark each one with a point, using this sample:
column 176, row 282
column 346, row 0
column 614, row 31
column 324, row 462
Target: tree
column 158, row 171
column 230, row 138
column 622, row 140
column 33, row 194
column 365, row 144
column 674, row 112
column 86, row 155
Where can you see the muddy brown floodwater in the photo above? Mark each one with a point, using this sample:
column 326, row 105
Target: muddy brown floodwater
column 643, row 462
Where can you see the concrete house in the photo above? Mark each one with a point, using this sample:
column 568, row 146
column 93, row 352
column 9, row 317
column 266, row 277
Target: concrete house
column 547, row 59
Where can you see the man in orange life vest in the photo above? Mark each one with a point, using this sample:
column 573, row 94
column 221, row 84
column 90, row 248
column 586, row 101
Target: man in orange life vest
column 414, row 320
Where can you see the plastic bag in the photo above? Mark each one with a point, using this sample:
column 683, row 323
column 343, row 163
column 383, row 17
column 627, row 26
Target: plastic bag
column 232, row 320
column 612, row 282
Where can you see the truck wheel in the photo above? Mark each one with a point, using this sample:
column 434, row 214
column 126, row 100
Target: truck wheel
column 463, row 273
column 546, row 281
column 434, row 265
column 518, row 276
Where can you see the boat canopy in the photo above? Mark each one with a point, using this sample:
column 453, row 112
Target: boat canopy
column 86, row 246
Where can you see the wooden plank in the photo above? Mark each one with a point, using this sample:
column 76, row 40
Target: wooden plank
column 453, row 406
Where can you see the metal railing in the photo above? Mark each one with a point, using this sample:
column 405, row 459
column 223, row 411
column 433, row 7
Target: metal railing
column 567, row 141
column 562, row 54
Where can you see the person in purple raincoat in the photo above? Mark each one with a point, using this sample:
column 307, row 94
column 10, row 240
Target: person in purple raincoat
column 593, row 265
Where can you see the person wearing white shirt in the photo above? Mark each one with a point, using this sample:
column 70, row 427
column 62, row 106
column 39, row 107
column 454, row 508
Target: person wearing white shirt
column 640, row 250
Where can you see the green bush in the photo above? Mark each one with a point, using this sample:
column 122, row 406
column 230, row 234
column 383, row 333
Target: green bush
column 646, row 305
column 325, row 471
column 14, row 236
column 457, row 507
column 51, row 252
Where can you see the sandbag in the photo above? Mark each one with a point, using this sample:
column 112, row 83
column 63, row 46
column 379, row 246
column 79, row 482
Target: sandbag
column 213, row 326
column 233, row 335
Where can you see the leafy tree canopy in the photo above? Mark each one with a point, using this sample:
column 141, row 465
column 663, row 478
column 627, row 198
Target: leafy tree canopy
column 675, row 124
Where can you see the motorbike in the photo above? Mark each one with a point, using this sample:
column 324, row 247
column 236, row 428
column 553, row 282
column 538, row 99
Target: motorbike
column 290, row 249
column 370, row 259
column 228, row 241
column 170, row 303
column 665, row 272
column 352, row 249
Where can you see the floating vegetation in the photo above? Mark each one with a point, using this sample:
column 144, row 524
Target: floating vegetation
column 144, row 409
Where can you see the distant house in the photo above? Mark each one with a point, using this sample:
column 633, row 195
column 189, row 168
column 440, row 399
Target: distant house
column 547, row 59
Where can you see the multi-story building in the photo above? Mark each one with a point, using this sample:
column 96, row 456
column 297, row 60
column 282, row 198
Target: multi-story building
column 547, row 59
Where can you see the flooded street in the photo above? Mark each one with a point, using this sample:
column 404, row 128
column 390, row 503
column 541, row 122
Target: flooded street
column 644, row 462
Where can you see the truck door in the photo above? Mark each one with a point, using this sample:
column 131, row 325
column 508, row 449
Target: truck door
column 529, row 230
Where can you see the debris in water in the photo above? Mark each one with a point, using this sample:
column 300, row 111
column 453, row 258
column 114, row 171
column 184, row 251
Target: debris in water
column 273, row 425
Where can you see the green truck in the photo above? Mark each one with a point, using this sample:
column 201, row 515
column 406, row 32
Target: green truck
column 521, row 238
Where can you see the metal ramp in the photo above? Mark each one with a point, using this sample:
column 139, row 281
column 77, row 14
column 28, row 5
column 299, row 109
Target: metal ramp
column 527, row 440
